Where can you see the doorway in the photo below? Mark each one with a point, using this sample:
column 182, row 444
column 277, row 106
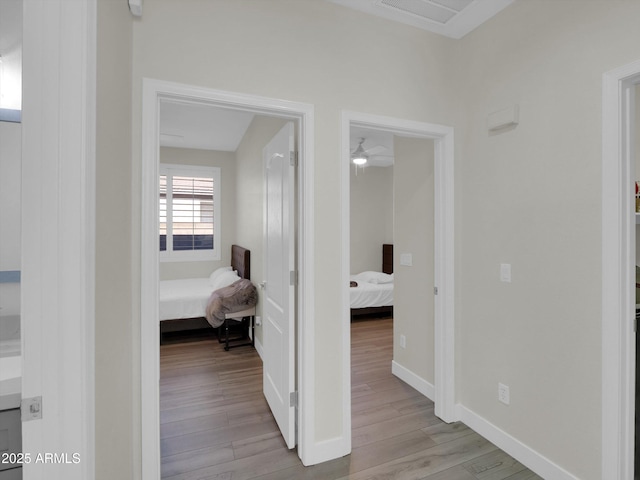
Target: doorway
column 442, row 138
column 618, row 272
column 154, row 92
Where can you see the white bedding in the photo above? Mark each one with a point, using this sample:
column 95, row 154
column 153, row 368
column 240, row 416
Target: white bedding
column 368, row 294
column 184, row 298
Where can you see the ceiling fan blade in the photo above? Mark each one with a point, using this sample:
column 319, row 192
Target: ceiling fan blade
column 378, row 149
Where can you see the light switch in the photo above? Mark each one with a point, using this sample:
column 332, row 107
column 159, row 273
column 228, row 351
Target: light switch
column 406, row 259
column 505, row 272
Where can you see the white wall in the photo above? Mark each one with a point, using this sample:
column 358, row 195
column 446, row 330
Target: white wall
column 531, row 197
column 117, row 438
column 371, row 216
column 226, row 161
column 306, row 51
column 10, row 178
column 413, row 311
column 250, row 195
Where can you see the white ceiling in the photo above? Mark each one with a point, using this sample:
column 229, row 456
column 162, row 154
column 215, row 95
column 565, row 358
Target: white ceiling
column 452, row 18
column 204, row 127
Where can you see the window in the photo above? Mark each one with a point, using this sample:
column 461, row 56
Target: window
column 189, row 213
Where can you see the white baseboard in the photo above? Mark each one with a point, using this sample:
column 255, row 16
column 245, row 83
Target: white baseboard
column 259, row 348
column 514, row 447
column 419, row 383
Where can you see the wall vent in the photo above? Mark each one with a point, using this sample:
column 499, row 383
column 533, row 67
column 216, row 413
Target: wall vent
column 439, row 11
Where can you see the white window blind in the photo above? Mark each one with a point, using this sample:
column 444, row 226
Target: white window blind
column 189, row 212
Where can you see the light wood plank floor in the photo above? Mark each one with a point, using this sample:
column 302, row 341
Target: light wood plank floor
column 215, row 423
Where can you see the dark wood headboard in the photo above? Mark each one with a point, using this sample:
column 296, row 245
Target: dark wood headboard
column 387, row 258
column 241, row 261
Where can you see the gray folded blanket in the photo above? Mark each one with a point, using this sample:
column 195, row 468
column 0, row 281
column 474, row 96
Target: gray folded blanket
column 238, row 296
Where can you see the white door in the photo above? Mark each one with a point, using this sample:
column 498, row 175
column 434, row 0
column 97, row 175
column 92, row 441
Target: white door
column 279, row 272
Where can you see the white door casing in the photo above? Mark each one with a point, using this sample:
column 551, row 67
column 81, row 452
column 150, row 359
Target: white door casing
column 279, row 271
column 309, row 449
column 444, row 342
column 618, row 245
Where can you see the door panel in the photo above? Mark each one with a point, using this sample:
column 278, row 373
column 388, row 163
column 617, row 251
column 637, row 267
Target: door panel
column 278, row 309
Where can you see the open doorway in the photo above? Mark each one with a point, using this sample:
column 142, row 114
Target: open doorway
column 263, row 110
column 437, row 141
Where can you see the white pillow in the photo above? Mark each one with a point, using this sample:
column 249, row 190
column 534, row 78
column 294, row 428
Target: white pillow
column 225, row 279
column 216, row 273
column 373, row 277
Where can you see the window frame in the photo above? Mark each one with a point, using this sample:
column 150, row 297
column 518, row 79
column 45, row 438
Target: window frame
column 195, row 171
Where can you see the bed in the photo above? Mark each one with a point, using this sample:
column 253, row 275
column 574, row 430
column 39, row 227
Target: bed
column 373, row 294
column 183, row 302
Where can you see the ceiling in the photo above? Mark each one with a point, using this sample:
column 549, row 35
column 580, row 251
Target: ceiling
column 204, row 127
column 452, row 18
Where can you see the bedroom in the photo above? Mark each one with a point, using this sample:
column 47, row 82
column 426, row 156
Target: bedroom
column 194, row 139
column 398, row 176
column 235, row 150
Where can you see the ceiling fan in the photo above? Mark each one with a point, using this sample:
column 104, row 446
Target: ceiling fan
column 360, row 156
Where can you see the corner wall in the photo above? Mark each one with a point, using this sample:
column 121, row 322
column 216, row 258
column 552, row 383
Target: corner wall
column 413, row 311
column 530, row 196
column 371, row 216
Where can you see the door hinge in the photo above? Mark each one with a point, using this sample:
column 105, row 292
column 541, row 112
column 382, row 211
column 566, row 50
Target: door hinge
column 293, row 159
column 435, row 290
column 293, row 278
column 293, row 399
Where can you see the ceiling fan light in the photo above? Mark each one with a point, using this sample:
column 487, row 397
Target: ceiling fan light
column 360, row 160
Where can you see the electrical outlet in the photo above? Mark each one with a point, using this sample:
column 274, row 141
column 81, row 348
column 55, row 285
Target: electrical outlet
column 403, row 341
column 503, row 394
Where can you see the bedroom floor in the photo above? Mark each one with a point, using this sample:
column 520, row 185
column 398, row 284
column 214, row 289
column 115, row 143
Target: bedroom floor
column 215, row 423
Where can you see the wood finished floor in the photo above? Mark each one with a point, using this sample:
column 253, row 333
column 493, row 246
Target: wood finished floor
column 215, row 423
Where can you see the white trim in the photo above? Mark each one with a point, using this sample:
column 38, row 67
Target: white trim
column 58, row 233
column 259, row 348
column 514, row 447
column 420, row 384
column 444, row 344
column 618, row 275
column 152, row 92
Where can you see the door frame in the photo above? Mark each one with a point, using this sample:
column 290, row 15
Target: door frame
column 444, row 255
column 58, row 206
column 618, row 275
column 153, row 91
